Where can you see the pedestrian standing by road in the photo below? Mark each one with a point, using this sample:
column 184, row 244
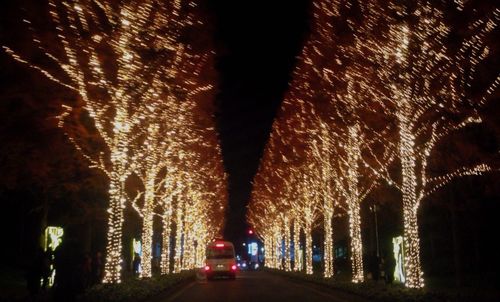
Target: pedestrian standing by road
column 136, row 264
column 389, row 266
column 374, row 267
column 34, row 273
column 97, row 268
column 86, row 271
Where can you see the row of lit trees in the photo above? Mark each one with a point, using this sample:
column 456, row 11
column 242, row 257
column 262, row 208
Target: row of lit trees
column 378, row 85
column 144, row 82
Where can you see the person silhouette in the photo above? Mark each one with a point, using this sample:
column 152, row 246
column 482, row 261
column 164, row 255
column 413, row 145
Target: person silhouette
column 34, row 273
column 46, row 269
column 389, row 266
column 374, row 262
column 97, row 268
column 136, row 264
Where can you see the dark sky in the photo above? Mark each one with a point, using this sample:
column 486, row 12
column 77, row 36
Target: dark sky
column 257, row 42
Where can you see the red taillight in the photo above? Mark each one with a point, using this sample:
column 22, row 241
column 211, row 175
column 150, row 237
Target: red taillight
column 233, row 267
column 207, row 268
column 219, row 245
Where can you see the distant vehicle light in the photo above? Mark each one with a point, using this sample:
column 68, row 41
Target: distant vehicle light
column 219, row 244
column 244, row 265
column 207, row 268
column 233, row 267
column 256, row 265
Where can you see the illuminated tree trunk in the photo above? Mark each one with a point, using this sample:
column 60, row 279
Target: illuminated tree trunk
column 286, row 253
column 147, row 225
column 414, row 274
column 328, row 253
column 192, row 250
column 272, row 250
column 178, row 238
column 117, row 199
column 186, row 257
column 278, row 237
column 165, row 250
column 200, row 254
column 267, row 246
column 308, row 247
column 118, row 173
column 277, row 247
column 354, row 206
column 356, row 244
column 296, row 245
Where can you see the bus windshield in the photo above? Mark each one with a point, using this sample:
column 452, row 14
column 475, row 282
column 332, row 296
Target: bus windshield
column 225, row 252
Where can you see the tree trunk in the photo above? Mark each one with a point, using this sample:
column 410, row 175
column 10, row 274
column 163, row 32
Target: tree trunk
column 308, row 247
column 178, row 238
column 413, row 269
column 296, row 245
column 266, row 251
column 272, row 247
column 328, row 245
column 354, row 206
column 186, row 257
column 147, row 226
column 279, row 248
column 356, row 243
column 165, row 249
column 114, row 247
column 287, row 244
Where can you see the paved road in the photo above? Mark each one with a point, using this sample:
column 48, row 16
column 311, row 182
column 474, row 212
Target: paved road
column 257, row 287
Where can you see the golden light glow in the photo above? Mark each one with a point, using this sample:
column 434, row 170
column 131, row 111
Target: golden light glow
column 143, row 87
column 376, row 88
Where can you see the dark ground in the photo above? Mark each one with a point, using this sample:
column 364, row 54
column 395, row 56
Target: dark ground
column 257, row 286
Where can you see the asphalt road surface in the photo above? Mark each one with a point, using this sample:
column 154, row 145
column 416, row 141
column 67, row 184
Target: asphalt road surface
column 257, row 287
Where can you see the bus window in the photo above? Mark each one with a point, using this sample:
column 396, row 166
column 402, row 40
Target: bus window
column 225, row 252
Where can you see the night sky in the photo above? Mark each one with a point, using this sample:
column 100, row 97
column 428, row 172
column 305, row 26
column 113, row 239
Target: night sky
column 256, row 47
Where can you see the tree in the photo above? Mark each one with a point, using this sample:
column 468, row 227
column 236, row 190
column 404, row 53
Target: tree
column 428, row 77
column 120, row 59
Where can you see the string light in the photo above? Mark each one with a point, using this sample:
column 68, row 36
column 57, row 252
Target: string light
column 148, row 111
column 421, row 58
column 382, row 80
column 286, row 252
